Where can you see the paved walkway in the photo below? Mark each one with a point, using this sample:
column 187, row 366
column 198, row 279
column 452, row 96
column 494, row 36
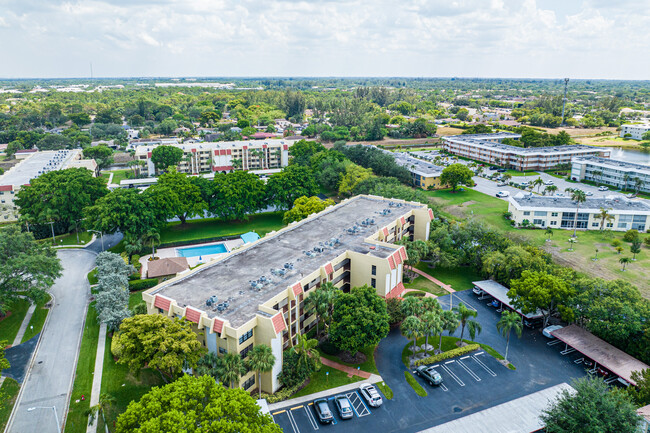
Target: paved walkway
column 447, row 287
column 23, row 326
column 351, row 371
column 97, row 375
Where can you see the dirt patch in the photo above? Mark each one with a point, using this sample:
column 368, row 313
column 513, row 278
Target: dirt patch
column 576, row 261
column 459, row 210
column 346, row 356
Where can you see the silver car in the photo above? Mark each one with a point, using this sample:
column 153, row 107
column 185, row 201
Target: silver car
column 344, row 406
column 370, row 394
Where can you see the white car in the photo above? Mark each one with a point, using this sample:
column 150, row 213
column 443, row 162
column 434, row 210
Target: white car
column 370, row 394
column 503, row 194
column 589, row 193
column 547, row 331
column 603, row 188
column 548, row 182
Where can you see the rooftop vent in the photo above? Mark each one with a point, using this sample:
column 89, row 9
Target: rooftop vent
column 212, row 300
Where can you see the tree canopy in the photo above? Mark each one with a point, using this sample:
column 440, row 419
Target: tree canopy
column 456, row 174
column 195, row 405
column 305, row 206
column 164, row 157
column 103, row 155
column 236, row 195
column 176, row 195
column 540, row 290
column 293, row 182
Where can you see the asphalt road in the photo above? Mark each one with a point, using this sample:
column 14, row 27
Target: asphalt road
column 48, row 382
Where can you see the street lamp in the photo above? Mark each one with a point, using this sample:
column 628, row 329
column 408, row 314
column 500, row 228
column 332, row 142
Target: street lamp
column 102, row 236
column 56, row 416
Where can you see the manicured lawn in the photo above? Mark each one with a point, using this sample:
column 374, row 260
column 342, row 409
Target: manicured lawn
column 37, row 321
column 8, row 392
column 520, row 173
column 421, row 283
column 368, row 366
column 92, row 277
column 71, row 239
column 10, row 325
column 385, row 389
column 83, row 382
column 214, row 227
column 471, row 204
column 414, row 384
column 135, row 298
column 460, row 277
column 118, row 175
column 320, row 381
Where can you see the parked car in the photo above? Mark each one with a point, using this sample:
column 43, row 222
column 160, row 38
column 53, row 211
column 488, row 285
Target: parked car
column 503, row 194
column 502, row 184
column 370, row 394
column 501, row 170
column 493, row 168
column 547, row 331
column 344, row 407
column 548, row 182
column 429, row 374
column 477, row 291
column 589, row 193
column 603, row 188
column 524, row 184
column 323, row 411
column 559, row 194
column 533, row 323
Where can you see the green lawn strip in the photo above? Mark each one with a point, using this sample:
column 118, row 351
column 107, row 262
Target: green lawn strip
column 417, row 294
column 472, row 204
column 10, row 325
column 459, row 278
column 448, row 343
column 37, row 321
column 118, row 175
column 135, row 298
column 426, row 285
column 214, row 227
column 83, row 382
column 92, row 277
column 320, row 381
column 8, row 393
column 414, row 384
column 368, row 365
column 71, row 239
column 385, row 389
column 520, row 173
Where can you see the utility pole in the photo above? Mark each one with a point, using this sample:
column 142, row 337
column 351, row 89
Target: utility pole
column 566, row 85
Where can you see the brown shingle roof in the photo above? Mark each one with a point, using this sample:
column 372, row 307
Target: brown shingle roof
column 168, row 266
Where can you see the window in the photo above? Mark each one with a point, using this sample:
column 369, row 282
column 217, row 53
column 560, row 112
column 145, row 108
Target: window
column 245, row 337
column 538, row 222
column 250, row 382
column 553, row 223
column 539, row 213
column 245, row 351
column 610, row 225
column 526, row 213
column 554, row 214
column 622, row 225
column 595, row 224
column 373, row 283
column 222, row 350
column 374, row 270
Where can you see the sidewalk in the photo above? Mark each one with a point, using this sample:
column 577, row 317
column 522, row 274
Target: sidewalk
column 97, row 375
column 447, row 287
column 23, row 325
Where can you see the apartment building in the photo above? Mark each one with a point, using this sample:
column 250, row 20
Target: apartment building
column 635, row 131
column 559, row 212
column 488, row 148
column 255, row 294
column 225, row 156
column 425, row 175
column 32, row 165
column 619, row 174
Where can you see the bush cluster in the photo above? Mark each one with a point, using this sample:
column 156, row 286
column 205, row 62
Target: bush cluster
column 448, row 354
column 137, row 285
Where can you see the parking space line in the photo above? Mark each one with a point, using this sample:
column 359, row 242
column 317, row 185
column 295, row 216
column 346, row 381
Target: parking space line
column 492, row 373
column 312, row 420
column 297, row 407
column 451, row 373
column 294, row 425
column 479, row 353
column 444, row 388
column 467, row 369
column 449, row 362
column 465, row 357
column 278, row 412
column 360, row 409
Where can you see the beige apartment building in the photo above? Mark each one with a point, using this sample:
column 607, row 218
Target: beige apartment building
column 225, row 156
column 255, row 294
column 32, row 165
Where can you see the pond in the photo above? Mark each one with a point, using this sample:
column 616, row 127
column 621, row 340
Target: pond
column 628, row 155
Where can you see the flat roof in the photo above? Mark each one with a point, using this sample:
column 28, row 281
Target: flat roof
column 230, row 278
column 569, row 148
column 211, row 145
column 36, row 164
column 591, row 205
column 500, row 293
column 613, row 163
column 416, row 165
column 600, row 351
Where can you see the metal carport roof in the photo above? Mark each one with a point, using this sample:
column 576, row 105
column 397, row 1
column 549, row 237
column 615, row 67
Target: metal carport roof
column 500, row 293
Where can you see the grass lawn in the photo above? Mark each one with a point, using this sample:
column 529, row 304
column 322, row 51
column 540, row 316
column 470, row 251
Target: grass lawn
column 9, row 392
column 118, row 175
column 448, row 343
column 320, row 381
column 135, row 298
column 83, row 381
column 71, row 239
column 10, row 324
column 421, row 283
column 385, row 389
column 214, row 227
column 37, row 321
column 92, row 277
column 521, row 173
column 460, row 277
column 414, row 384
column 368, row 366
column 471, row 204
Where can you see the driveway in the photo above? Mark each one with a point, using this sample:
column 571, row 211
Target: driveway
column 49, row 381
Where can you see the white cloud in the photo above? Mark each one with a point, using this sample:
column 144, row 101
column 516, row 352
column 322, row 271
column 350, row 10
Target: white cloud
column 298, row 37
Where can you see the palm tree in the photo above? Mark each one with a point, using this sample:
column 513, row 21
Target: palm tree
column 538, row 183
column 208, row 365
column 626, row 177
column 604, row 215
column 105, row 401
column 449, row 323
column 551, row 189
column 317, row 303
column 431, row 325
column 635, row 249
column 230, row 368
column 151, row 236
column 579, row 197
column 262, row 360
column 597, row 173
column 506, row 177
column 411, row 328
column 465, row 315
column 509, row 321
column 307, row 353
column 624, row 261
column 638, row 183
column 549, row 232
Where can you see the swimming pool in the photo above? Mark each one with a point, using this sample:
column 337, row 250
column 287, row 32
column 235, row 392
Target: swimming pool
column 202, row 251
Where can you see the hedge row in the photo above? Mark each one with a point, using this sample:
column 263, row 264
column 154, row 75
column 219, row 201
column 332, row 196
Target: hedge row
column 199, row 241
column 137, row 285
column 281, row 395
column 448, row 354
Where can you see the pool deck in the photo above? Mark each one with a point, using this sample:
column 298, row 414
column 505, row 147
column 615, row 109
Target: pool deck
column 192, row 261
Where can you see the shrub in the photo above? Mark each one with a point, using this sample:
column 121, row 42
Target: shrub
column 647, row 241
column 329, row 348
column 137, row 285
column 616, row 243
column 394, row 307
column 135, row 261
column 282, row 394
column 448, row 354
column 291, row 375
column 631, row 235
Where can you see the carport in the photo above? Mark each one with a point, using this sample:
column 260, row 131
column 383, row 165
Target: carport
column 599, row 351
column 500, row 293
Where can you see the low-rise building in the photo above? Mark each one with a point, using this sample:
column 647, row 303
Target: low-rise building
column 225, row 156
column 490, row 149
column 32, row 165
column 635, row 131
column 619, row 174
column 255, row 294
column 425, row 175
column 560, row 213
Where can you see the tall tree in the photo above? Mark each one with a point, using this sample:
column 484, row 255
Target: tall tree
column 26, row 266
column 456, row 174
column 579, row 197
column 176, row 195
column 307, row 355
column 230, row 368
column 508, row 322
column 104, row 403
column 261, row 360
column 60, row 196
column 540, row 290
column 604, row 215
column 164, row 157
column 103, row 155
column 465, row 315
column 592, row 408
column 290, row 184
column 305, row 206
column 432, row 324
column 236, row 195
column 353, row 176
column 412, row 328
column 195, row 404
column 450, row 323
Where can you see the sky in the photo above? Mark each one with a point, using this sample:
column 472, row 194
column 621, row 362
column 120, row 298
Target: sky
column 606, row 39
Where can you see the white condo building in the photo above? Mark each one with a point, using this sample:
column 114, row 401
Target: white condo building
column 635, row 131
column 619, row 174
